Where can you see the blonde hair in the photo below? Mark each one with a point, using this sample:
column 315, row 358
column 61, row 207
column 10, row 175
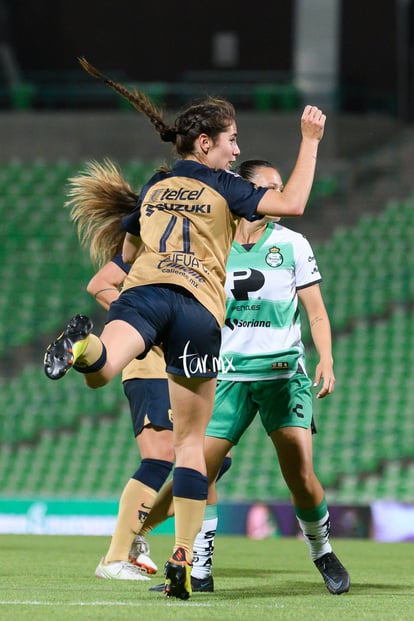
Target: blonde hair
column 98, row 198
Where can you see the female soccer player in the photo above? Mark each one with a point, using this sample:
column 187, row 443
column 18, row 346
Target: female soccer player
column 269, row 269
column 98, row 198
column 178, row 240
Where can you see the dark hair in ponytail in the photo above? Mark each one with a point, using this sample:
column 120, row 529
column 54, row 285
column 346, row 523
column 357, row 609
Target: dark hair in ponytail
column 210, row 116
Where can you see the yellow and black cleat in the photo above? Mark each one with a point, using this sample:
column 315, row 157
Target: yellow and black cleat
column 177, row 574
column 66, row 349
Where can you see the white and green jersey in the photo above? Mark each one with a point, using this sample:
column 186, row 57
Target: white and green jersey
column 261, row 338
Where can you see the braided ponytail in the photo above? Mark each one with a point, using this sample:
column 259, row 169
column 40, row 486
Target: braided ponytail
column 139, row 100
column 210, row 116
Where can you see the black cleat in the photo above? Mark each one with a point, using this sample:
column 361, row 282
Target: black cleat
column 198, row 585
column 62, row 353
column 336, row 577
column 159, row 588
column 202, row 585
column 177, row 574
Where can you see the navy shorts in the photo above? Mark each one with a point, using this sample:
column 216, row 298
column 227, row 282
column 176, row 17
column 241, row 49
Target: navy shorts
column 149, row 402
column 189, row 333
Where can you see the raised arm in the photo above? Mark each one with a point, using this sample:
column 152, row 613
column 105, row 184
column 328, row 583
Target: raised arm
column 292, row 201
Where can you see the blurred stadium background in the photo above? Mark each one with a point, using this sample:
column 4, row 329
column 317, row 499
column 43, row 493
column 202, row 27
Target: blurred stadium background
column 60, row 441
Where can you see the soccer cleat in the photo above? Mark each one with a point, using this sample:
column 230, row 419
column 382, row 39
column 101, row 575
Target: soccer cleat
column 159, row 588
column 119, row 570
column 198, row 585
column 202, row 585
column 139, row 555
column 336, row 577
column 177, row 574
column 61, row 355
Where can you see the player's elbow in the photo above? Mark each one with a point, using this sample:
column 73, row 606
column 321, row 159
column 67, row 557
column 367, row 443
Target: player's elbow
column 297, row 210
column 91, row 287
column 285, row 206
column 296, row 205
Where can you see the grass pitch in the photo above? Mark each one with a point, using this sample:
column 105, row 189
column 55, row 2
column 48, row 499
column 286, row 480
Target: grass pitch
column 45, row 578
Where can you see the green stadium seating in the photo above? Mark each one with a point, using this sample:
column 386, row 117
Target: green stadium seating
column 50, row 442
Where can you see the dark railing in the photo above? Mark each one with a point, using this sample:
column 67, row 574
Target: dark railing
column 248, row 90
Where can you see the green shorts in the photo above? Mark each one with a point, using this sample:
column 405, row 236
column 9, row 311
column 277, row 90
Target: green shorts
column 280, row 403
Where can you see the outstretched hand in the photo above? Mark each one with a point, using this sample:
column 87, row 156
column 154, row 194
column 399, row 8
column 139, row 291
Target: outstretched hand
column 313, row 123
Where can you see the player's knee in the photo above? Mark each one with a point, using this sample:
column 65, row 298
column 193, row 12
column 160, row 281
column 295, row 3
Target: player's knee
column 153, row 472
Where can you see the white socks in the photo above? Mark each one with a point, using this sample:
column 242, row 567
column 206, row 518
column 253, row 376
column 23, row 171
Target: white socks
column 317, row 536
column 204, row 544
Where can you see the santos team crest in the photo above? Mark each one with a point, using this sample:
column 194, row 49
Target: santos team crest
column 274, row 258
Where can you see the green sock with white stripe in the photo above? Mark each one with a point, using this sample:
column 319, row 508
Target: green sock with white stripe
column 315, row 525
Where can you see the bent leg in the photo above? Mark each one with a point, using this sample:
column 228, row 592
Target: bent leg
column 215, row 450
column 122, row 343
column 157, row 454
column 139, row 494
column 162, row 509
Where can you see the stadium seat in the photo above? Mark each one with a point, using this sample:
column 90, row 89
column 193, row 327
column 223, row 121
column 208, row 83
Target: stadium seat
column 50, row 442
